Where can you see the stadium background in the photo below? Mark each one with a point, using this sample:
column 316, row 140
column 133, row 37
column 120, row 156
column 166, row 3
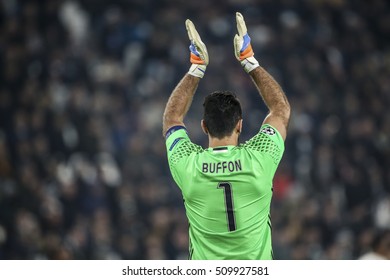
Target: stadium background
column 83, row 84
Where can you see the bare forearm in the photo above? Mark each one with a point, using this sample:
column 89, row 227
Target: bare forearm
column 272, row 94
column 179, row 102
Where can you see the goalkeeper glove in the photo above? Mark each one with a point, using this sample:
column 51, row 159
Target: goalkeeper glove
column 242, row 46
column 198, row 52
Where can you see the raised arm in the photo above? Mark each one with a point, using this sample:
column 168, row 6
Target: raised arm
column 179, row 102
column 274, row 98
column 181, row 98
column 271, row 92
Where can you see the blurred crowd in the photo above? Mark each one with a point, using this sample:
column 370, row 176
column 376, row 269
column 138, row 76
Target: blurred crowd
column 83, row 85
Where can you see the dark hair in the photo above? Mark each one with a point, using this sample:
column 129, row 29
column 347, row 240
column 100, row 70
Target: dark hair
column 222, row 111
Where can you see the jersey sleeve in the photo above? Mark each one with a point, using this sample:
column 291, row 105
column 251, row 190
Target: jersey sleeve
column 270, row 144
column 179, row 148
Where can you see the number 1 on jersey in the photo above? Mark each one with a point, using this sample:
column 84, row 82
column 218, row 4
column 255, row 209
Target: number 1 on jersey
column 227, row 190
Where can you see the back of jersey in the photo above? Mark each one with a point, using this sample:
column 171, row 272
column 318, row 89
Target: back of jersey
column 227, row 193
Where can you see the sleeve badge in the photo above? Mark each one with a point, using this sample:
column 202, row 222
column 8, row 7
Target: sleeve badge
column 268, row 130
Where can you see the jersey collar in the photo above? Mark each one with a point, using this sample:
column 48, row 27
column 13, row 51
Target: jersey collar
column 221, row 149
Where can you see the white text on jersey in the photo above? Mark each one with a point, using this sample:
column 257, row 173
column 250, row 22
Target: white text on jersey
column 222, row 166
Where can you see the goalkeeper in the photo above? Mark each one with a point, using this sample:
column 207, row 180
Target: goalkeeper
column 227, row 188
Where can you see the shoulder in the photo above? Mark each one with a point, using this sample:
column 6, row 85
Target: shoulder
column 267, row 141
column 179, row 145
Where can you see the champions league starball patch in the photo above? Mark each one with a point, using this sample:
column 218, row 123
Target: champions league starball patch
column 268, row 130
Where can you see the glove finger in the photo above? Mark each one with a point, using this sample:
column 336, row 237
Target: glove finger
column 198, row 47
column 195, row 35
column 241, row 26
column 192, row 32
column 237, row 43
column 203, row 51
column 195, row 56
column 189, row 28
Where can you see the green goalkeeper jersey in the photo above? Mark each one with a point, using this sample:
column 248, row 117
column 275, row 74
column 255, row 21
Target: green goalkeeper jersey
column 227, row 193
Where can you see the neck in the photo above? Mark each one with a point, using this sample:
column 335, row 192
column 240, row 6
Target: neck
column 226, row 141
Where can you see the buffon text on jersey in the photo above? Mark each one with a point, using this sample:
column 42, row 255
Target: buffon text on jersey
column 222, row 166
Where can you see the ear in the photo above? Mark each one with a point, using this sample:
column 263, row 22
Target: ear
column 239, row 126
column 204, row 128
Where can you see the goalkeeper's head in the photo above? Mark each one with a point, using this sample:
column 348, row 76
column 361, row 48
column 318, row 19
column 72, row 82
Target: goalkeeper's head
column 222, row 115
